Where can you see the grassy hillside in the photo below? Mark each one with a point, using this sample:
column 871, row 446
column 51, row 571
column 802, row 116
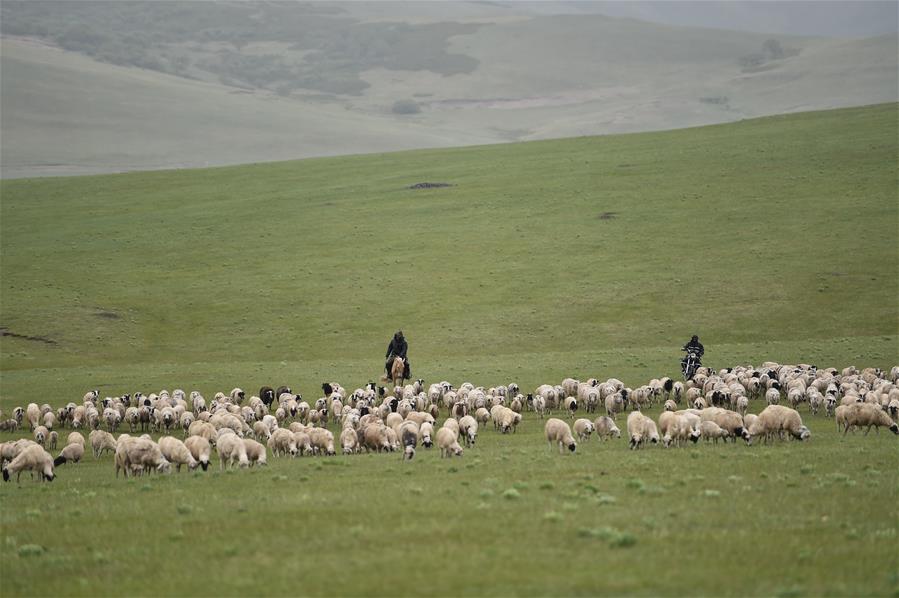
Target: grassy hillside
column 87, row 88
column 589, row 255
column 771, row 239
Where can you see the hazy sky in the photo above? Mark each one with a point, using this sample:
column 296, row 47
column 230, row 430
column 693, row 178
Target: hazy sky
column 840, row 18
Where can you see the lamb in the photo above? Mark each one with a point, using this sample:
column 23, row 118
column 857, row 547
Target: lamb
column 231, row 448
column 777, row 419
column 102, row 441
column 742, row 405
column 448, row 443
column 200, row 449
column 712, row 431
column 557, row 431
column 468, row 426
column 539, row 405
column 670, row 405
column 482, row 416
column 256, row 453
column 282, row 442
column 177, row 453
column 33, row 458
column 548, row 394
column 72, row 452
column 865, row 414
column 729, row 420
column 605, row 427
column 583, row 428
column 53, row 439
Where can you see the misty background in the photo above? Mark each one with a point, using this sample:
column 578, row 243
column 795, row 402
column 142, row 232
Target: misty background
column 90, row 87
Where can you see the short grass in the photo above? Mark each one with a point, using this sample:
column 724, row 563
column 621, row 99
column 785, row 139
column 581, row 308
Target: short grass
column 771, row 239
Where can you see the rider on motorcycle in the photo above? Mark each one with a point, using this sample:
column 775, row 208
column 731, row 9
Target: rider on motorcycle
column 693, row 348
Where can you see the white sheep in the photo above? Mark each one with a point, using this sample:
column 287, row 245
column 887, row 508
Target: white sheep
column 558, row 432
column 322, row 441
column 200, row 449
column 177, row 453
column 102, row 441
column 605, row 427
column 777, row 419
column 865, row 415
column 448, row 443
column 712, row 431
column 639, row 430
column 282, row 442
column 230, row 449
column 33, row 458
column 583, row 428
column 349, row 440
column 468, row 427
column 71, row 452
column 256, row 453
column 75, row 437
column 676, row 428
column 426, row 434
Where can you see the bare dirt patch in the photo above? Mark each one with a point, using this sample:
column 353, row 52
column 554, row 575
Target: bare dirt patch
column 608, row 215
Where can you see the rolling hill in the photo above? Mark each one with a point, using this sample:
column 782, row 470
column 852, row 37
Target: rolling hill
column 770, row 238
column 86, row 89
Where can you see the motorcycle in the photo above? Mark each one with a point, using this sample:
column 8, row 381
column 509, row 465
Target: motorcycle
column 690, row 363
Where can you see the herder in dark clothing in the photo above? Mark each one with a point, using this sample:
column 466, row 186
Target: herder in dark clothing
column 694, row 346
column 397, row 348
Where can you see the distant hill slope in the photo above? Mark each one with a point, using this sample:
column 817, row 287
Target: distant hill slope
column 228, row 83
column 538, row 258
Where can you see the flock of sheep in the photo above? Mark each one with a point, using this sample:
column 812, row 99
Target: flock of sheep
column 711, row 405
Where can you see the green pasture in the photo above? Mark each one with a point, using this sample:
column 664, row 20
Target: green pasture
column 773, row 239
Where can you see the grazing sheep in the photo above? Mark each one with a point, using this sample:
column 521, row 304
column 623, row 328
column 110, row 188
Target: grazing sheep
column 468, row 426
column 177, row 453
column 583, row 428
column 448, row 443
column 33, row 413
column 670, row 405
column 639, row 430
column 135, row 455
column 349, row 440
column 777, row 419
column 731, row 421
column 605, row 427
column 676, row 428
column 282, row 442
column 256, row 453
column 409, row 437
column 322, row 441
column 558, row 432
column 374, row 437
column 33, row 458
column 865, row 415
column 230, row 449
column 200, row 450
column 102, row 441
column 72, row 452
column 426, row 434
column 712, row 431
column 75, row 437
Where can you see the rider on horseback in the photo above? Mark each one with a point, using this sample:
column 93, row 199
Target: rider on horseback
column 398, row 348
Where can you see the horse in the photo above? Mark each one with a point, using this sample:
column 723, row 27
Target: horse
column 397, row 369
